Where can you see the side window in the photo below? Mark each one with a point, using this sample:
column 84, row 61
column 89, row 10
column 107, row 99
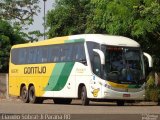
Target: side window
column 22, row 56
column 79, row 53
column 44, row 54
column 63, row 53
column 56, row 53
column 69, row 55
column 35, row 51
column 31, row 57
column 39, row 55
column 15, row 56
column 66, row 52
column 90, row 47
column 96, row 65
column 53, row 53
column 18, row 55
column 50, row 54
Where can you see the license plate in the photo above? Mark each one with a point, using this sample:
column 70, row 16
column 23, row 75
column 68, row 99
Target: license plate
column 126, row 95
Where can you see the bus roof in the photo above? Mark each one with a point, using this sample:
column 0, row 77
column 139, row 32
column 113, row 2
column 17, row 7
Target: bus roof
column 98, row 38
column 108, row 39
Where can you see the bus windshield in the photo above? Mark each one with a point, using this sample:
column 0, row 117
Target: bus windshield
column 123, row 64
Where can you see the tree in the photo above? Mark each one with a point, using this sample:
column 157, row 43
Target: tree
column 7, row 38
column 136, row 19
column 21, row 11
column 68, row 17
column 20, row 14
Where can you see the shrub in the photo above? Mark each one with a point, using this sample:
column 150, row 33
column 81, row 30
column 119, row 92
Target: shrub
column 152, row 91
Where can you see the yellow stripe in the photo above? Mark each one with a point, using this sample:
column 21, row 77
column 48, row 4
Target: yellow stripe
column 57, row 40
column 115, row 85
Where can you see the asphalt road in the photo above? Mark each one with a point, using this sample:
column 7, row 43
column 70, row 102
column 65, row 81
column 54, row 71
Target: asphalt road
column 75, row 111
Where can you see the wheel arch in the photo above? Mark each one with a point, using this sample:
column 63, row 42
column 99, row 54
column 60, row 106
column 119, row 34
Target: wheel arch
column 31, row 84
column 80, row 89
column 22, row 85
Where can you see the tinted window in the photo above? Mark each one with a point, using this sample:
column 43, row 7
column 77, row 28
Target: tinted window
column 96, row 64
column 79, row 53
column 91, row 46
column 48, row 54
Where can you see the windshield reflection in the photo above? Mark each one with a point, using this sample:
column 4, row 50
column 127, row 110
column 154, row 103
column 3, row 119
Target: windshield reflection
column 123, row 64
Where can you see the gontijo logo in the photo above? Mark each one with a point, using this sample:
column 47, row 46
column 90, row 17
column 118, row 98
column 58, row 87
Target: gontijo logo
column 35, row 70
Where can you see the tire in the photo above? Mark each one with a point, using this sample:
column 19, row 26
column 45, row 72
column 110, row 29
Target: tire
column 24, row 94
column 84, row 99
column 120, row 103
column 62, row 100
column 32, row 97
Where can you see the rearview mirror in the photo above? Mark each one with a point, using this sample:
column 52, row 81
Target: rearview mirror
column 149, row 58
column 148, row 63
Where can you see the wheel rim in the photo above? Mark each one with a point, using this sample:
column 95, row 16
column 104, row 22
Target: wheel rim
column 24, row 94
column 83, row 96
column 31, row 95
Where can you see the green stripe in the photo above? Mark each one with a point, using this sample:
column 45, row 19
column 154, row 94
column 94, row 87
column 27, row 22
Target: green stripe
column 74, row 41
column 55, row 76
column 134, row 86
column 59, row 76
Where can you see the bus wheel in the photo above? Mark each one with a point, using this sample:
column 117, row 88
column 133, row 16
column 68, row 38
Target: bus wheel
column 62, row 100
column 84, row 99
column 32, row 97
column 120, row 103
column 24, row 94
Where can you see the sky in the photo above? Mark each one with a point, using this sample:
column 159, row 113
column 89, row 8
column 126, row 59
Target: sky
column 38, row 20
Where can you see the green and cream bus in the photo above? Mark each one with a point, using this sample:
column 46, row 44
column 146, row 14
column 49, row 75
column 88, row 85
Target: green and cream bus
column 91, row 67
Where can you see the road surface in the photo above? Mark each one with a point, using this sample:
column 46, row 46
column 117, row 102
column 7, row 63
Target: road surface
column 75, row 110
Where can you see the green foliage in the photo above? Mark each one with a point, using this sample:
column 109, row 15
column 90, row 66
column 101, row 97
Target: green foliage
column 19, row 13
column 152, row 91
column 153, row 94
column 34, row 35
column 150, row 82
column 136, row 19
column 68, row 17
column 7, row 38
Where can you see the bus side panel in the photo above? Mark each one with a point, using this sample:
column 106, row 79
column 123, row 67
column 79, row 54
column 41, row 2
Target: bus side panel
column 92, row 82
column 13, row 86
column 33, row 74
column 62, row 81
column 73, row 74
column 14, row 80
column 83, row 77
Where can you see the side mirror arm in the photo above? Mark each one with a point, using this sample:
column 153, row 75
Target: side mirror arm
column 150, row 61
column 101, row 54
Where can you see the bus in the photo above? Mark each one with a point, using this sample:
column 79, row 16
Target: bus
column 90, row 67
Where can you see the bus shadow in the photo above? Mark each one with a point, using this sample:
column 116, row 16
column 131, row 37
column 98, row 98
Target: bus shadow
column 78, row 103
